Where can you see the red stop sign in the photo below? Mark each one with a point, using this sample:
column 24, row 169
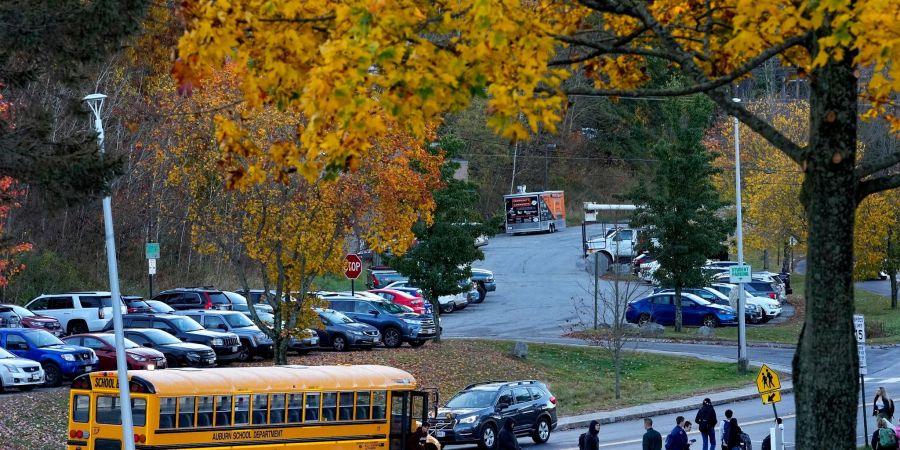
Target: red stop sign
column 352, row 266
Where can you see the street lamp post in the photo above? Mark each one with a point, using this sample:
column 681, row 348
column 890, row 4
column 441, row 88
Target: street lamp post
column 95, row 102
column 743, row 360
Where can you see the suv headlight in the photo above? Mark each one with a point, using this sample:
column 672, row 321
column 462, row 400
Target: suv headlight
column 193, row 356
column 413, row 322
column 468, row 419
column 261, row 337
column 68, row 357
column 11, row 369
column 217, row 342
column 137, row 358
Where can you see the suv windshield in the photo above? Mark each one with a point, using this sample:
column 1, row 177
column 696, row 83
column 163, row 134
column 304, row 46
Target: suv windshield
column 186, row 324
column 392, row 308
column 238, row 320
column 335, row 317
column 22, row 312
column 160, row 337
column 472, row 399
column 44, row 339
column 218, row 298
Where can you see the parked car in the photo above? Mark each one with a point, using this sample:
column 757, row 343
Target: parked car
column 8, row 318
column 307, row 341
column 253, row 341
column 177, row 353
column 77, row 312
column 695, row 311
column 23, row 374
column 395, row 324
column 104, row 346
column 752, row 312
column 263, row 311
column 447, row 303
column 226, row 345
column 342, row 333
column 380, row 276
column 159, row 307
column 417, row 304
column 769, row 308
column 58, row 359
column 28, row 319
column 476, row 414
column 484, row 283
column 136, row 304
column 194, row 298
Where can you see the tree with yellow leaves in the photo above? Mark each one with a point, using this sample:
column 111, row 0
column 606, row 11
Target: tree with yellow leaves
column 353, row 66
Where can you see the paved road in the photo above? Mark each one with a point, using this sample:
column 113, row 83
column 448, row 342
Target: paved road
column 880, row 287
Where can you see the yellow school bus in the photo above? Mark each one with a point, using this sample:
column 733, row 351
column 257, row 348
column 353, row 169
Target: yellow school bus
column 285, row 407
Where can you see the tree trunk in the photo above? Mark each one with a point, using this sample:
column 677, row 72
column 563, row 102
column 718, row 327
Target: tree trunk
column 786, row 261
column 893, row 277
column 826, row 368
column 279, row 346
column 436, row 313
column 617, row 360
column 677, row 309
column 891, row 266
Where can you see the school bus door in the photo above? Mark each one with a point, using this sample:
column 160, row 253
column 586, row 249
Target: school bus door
column 407, row 408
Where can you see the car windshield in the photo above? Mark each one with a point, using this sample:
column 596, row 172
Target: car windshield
column 335, row 317
column 392, row 308
column 236, row 299
column 759, row 286
column 158, row 306
column 5, row 354
column 242, row 307
column 238, row 321
column 44, row 339
column 160, row 337
column 186, row 324
column 472, row 399
column 22, row 312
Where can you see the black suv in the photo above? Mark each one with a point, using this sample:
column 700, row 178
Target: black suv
column 178, row 354
column 226, row 345
column 475, row 414
column 194, row 298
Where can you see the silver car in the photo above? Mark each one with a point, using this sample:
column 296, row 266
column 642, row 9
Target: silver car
column 20, row 373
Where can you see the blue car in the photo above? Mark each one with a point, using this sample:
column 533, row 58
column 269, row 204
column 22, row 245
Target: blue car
column 59, row 360
column 660, row 308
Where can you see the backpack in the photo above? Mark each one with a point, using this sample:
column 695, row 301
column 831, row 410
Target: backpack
column 746, row 443
column 897, row 431
column 887, row 437
column 582, row 441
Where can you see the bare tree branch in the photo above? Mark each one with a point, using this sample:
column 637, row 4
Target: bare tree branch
column 871, row 165
column 876, row 185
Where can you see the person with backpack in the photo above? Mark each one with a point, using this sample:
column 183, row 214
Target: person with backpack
column 706, row 423
column 733, row 440
column 677, row 438
column 884, row 437
column 652, row 439
column 884, row 409
column 725, row 423
column 590, row 440
column 506, row 439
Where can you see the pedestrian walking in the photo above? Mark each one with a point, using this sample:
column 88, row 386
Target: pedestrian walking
column 882, row 405
column 725, row 423
column 507, row 440
column 706, row 422
column 884, row 437
column 652, row 438
column 677, row 438
column 590, row 440
column 733, row 440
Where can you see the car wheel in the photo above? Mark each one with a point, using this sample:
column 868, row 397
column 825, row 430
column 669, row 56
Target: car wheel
column 644, row 319
column 1, row 387
column 710, row 321
column 482, row 293
column 449, row 308
column 52, row 374
column 765, row 318
column 26, row 388
column 488, row 439
column 171, row 362
column 77, row 327
column 392, row 337
column 417, row 344
column 542, row 431
column 244, row 354
column 339, row 343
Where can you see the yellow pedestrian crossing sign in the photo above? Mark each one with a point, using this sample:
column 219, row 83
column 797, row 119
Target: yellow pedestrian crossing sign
column 770, row 397
column 767, row 380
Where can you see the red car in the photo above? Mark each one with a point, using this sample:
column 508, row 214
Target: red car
column 28, row 319
column 401, row 298
column 104, row 345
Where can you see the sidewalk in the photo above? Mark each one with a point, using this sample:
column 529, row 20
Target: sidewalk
column 665, row 407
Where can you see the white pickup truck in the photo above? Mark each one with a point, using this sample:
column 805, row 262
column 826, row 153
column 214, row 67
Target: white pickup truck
column 617, row 244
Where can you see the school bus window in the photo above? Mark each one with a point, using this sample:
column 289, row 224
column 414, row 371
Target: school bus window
column 276, row 415
column 311, row 414
column 295, row 408
column 81, row 408
column 396, row 410
column 138, row 411
column 167, row 412
column 260, row 409
column 241, row 409
column 223, row 410
column 379, row 401
column 329, row 406
column 345, row 406
column 204, row 411
column 362, row 406
column 186, row 412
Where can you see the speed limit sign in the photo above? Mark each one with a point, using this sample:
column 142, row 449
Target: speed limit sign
column 859, row 330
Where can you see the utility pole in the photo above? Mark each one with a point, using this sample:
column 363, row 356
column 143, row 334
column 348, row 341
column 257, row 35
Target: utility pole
column 512, row 181
column 596, row 287
column 743, row 360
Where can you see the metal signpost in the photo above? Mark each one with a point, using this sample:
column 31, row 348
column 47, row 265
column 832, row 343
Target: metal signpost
column 152, row 252
column 859, row 331
column 743, row 360
column 352, row 269
column 95, row 102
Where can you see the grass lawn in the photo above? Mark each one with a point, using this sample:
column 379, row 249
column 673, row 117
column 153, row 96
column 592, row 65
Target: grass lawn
column 580, row 378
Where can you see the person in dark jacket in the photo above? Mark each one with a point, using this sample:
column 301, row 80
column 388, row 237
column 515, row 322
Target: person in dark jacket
column 725, row 424
column 882, row 405
column 706, row 422
column 416, row 440
column 652, row 438
column 733, row 440
column 507, row 440
column 767, row 441
column 677, row 438
column 592, row 437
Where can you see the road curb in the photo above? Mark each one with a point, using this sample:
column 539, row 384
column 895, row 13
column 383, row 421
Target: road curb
column 609, row 417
